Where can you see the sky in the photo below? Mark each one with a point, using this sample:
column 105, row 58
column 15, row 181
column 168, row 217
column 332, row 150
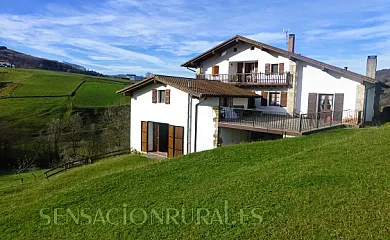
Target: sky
column 138, row 36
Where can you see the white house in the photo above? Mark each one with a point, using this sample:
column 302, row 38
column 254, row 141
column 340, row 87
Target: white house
column 245, row 90
column 175, row 115
column 290, row 82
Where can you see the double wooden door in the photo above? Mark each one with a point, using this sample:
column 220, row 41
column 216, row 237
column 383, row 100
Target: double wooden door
column 162, row 137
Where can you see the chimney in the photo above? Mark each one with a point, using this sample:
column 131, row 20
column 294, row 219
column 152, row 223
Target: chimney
column 291, row 42
column 371, row 66
column 346, row 68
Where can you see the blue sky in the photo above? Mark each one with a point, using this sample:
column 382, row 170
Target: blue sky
column 137, row 36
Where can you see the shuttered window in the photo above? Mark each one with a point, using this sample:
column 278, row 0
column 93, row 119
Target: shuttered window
column 215, row 70
column 283, row 99
column 154, row 95
column 281, row 68
column 167, row 96
column 274, row 68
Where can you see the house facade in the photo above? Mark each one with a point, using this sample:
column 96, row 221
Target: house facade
column 289, row 82
column 175, row 116
column 243, row 91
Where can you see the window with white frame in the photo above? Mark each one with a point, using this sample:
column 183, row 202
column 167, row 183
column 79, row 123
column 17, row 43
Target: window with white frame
column 274, row 99
column 161, row 96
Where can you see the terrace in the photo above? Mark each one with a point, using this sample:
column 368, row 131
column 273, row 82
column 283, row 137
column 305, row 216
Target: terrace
column 284, row 123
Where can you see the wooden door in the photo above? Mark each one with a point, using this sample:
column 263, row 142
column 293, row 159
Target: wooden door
column 171, row 141
column 144, row 136
column 179, row 141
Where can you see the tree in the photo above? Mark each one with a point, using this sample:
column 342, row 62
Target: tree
column 54, row 133
column 115, row 121
column 75, row 125
column 148, row 74
column 25, row 164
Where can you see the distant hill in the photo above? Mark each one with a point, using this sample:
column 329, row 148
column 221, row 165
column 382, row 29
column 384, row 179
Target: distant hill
column 21, row 60
column 383, row 75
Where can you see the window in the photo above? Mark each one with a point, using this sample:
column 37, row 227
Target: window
column 161, row 96
column 235, row 49
column 275, row 68
column 274, row 99
column 325, row 103
column 253, row 48
column 215, row 70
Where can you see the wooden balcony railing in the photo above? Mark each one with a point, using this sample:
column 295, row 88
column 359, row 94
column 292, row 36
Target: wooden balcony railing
column 272, row 79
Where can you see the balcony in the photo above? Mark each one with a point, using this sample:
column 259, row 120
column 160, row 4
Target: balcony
column 251, row 79
column 284, row 123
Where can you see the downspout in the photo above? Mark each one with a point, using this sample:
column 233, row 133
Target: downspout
column 189, row 119
column 196, row 122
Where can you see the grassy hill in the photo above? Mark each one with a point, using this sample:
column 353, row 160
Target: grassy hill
column 324, row 186
column 31, row 98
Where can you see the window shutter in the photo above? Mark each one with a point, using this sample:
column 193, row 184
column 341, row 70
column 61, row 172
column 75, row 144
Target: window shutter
column 338, row 106
column 144, row 136
column 171, row 141
column 264, row 98
column 167, row 96
column 312, row 105
column 154, row 95
column 267, row 68
column 215, row 70
column 283, row 99
column 281, row 68
column 179, row 141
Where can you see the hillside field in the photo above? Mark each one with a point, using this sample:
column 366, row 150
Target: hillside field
column 32, row 98
column 330, row 185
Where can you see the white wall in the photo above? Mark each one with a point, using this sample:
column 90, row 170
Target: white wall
column 206, row 124
column 230, row 136
column 240, row 102
column 244, row 53
column 314, row 80
column 142, row 109
column 175, row 113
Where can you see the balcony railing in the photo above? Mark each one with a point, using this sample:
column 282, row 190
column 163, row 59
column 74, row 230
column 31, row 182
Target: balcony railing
column 299, row 123
column 272, row 79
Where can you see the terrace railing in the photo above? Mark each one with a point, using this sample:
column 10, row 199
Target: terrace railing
column 283, row 121
column 272, row 79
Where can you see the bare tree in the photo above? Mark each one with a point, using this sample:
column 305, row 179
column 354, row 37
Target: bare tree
column 148, row 74
column 25, row 164
column 54, row 133
column 75, row 125
column 115, row 121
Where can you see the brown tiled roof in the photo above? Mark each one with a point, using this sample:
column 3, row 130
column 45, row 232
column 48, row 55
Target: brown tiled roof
column 233, row 41
column 198, row 87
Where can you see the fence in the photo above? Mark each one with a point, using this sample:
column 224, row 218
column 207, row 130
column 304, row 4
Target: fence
column 65, row 166
column 284, row 121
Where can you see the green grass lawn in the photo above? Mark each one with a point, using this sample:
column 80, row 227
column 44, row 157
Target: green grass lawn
column 32, row 114
column 324, row 186
column 99, row 94
column 47, row 85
